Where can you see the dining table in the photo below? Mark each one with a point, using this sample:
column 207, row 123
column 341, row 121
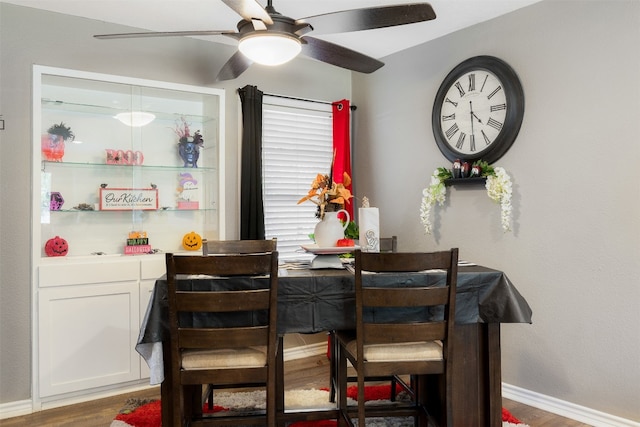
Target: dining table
column 316, row 300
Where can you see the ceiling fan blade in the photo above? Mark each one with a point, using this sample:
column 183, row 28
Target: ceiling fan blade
column 235, row 66
column 164, row 34
column 369, row 18
column 339, row 56
column 249, row 10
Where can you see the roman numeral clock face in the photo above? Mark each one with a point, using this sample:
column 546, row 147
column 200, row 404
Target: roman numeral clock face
column 478, row 110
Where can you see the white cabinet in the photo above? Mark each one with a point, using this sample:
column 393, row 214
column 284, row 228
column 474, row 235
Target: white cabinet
column 93, row 192
column 87, row 337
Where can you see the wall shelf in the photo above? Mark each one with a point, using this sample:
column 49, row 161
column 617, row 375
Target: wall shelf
column 476, row 180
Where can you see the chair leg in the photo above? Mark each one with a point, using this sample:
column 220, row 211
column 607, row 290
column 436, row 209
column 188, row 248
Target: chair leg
column 393, row 389
column 333, row 362
column 361, row 413
column 209, row 397
column 279, row 389
column 341, row 387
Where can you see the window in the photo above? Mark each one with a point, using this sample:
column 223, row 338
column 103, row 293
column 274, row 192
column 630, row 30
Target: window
column 297, row 144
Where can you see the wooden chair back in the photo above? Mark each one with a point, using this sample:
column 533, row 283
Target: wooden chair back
column 405, row 296
column 389, row 244
column 210, row 247
column 190, row 336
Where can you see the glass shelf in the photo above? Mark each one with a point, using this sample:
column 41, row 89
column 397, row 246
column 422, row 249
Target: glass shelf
column 103, row 110
column 153, row 211
column 51, row 164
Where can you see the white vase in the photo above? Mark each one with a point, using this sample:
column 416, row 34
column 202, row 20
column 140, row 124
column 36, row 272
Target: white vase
column 330, row 229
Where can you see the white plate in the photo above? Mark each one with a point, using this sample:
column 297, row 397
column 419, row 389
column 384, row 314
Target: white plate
column 332, row 250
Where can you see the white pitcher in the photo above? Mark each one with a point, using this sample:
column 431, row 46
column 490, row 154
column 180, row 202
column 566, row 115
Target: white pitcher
column 330, row 229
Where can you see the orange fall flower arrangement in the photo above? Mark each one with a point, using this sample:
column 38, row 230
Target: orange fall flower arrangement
column 324, row 191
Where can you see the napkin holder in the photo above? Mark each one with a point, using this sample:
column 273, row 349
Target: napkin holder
column 369, row 225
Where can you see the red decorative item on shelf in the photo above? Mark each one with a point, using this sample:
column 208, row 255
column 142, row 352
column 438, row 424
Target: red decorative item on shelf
column 56, row 246
column 52, row 147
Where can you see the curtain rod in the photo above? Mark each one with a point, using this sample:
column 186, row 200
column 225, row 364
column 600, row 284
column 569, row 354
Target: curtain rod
column 352, row 107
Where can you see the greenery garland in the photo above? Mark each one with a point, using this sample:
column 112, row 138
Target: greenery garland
column 499, row 189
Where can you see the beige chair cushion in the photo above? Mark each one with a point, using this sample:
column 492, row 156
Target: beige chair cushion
column 423, row 350
column 224, row 358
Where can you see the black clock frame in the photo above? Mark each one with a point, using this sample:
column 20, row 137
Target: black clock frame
column 515, row 110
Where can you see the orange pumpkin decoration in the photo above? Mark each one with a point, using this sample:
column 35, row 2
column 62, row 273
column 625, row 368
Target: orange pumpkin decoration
column 56, row 246
column 192, row 241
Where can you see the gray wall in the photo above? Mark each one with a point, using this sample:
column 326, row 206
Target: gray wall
column 29, row 36
column 574, row 252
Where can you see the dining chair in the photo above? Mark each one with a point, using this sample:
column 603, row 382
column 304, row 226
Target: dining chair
column 401, row 344
column 387, row 244
column 220, row 247
column 221, row 353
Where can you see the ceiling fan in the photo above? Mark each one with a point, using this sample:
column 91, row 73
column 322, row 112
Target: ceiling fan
column 260, row 26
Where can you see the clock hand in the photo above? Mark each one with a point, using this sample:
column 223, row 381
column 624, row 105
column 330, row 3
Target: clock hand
column 471, row 114
column 474, row 115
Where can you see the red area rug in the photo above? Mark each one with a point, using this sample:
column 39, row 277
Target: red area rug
column 147, row 414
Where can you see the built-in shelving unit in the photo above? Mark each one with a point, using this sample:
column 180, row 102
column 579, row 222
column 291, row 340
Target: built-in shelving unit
column 112, row 180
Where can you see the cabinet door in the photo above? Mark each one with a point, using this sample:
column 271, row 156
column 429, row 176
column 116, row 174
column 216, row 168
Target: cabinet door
column 87, row 336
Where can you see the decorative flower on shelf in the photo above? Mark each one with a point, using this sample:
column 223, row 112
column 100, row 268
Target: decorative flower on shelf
column 61, row 130
column 188, row 145
column 183, row 130
column 498, row 187
column 327, row 194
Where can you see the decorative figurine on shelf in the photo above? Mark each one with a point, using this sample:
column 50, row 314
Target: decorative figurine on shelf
column 56, row 246
column 188, row 145
column 52, row 143
column 137, row 243
column 188, row 192
column 56, row 201
column 192, row 241
column 455, row 171
column 465, row 170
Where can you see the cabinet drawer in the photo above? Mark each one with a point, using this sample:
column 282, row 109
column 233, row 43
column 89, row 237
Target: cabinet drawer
column 152, row 267
column 78, row 273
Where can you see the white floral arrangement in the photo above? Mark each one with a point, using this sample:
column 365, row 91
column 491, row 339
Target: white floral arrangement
column 498, row 185
column 499, row 190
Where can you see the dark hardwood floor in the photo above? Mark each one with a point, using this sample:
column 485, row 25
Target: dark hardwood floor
column 311, row 372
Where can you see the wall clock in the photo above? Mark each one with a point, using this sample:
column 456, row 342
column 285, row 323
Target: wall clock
column 478, row 110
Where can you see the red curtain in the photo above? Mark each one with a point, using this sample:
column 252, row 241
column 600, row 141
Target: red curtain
column 342, row 146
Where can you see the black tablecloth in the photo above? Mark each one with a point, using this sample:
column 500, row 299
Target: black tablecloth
column 312, row 301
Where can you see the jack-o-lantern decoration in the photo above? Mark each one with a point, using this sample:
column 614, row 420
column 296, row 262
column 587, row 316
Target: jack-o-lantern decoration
column 192, row 241
column 56, row 246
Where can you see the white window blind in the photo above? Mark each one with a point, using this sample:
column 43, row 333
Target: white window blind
column 297, row 144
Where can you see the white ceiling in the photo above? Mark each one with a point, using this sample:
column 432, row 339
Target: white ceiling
column 183, row 15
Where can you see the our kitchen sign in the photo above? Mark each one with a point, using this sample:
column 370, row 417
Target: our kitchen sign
column 128, row 199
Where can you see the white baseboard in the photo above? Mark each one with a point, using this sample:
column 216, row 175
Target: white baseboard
column 565, row 409
column 300, row 352
column 15, row 409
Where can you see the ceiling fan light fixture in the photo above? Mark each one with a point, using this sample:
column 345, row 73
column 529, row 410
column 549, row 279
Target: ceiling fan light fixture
column 270, row 49
column 135, row 118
